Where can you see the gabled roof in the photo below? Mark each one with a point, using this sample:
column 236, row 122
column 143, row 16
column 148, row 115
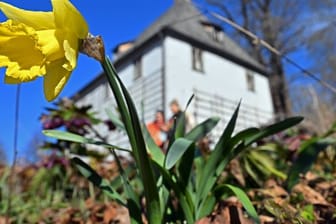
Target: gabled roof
column 183, row 20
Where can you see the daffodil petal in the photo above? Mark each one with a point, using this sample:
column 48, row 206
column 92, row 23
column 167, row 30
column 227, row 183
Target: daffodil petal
column 11, row 80
column 55, row 79
column 19, row 52
column 67, row 17
column 37, row 20
column 70, row 46
column 34, row 44
column 50, row 44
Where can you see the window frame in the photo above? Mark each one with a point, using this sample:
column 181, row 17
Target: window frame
column 250, row 81
column 137, row 68
column 197, row 61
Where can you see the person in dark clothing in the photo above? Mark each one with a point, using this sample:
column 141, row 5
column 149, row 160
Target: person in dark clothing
column 177, row 114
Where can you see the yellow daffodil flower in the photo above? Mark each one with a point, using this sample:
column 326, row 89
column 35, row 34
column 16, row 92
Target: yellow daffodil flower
column 34, row 43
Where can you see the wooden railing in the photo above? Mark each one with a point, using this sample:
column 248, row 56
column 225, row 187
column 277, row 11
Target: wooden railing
column 207, row 105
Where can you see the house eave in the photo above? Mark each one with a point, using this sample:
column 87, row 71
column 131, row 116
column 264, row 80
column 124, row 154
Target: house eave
column 167, row 31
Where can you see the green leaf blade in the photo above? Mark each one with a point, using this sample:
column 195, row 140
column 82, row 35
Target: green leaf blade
column 71, row 137
column 208, row 174
column 273, row 129
column 133, row 128
column 246, row 202
column 202, row 129
column 176, row 151
column 66, row 136
column 307, row 156
column 97, row 180
column 154, row 150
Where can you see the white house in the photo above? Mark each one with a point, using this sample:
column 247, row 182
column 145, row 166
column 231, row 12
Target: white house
column 180, row 54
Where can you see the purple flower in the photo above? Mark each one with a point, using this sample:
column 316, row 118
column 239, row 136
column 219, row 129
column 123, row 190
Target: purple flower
column 80, row 122
column 110, row 125
column 53, row 160
column 52, row 123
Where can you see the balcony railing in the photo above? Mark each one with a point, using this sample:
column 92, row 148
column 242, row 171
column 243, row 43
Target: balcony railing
column 207, row 105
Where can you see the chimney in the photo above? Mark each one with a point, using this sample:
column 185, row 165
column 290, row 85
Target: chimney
column 121, row 48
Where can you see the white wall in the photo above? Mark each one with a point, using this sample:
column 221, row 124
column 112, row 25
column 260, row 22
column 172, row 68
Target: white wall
column 126, row 74
column 221, row 77
column 97, row 98
column 152, row 60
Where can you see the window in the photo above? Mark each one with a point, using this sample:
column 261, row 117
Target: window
column 214, row 30
column 215, row 34
column 137, row 68
column 197, row 59
column 218, row 36
column 250, row 81
column 107, row 90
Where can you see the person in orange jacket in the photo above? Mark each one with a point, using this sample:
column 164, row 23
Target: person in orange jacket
column 158, row 129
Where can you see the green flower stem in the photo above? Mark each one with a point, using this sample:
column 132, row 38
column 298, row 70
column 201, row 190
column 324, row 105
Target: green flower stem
column 133, row 129
column 182, row 196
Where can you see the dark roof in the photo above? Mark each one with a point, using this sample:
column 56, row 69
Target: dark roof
column 183, row 20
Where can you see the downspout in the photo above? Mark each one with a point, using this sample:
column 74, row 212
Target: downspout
column 163, row 72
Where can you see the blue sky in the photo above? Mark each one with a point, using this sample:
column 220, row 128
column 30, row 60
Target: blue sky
column 116, row 21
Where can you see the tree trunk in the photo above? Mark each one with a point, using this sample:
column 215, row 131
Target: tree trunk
column 279, row 89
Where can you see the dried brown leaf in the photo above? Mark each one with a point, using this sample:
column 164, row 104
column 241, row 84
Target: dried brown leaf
column 237, row 171
column 311, row 196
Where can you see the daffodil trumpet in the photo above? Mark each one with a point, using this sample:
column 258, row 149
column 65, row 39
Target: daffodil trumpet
column 41, row 44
